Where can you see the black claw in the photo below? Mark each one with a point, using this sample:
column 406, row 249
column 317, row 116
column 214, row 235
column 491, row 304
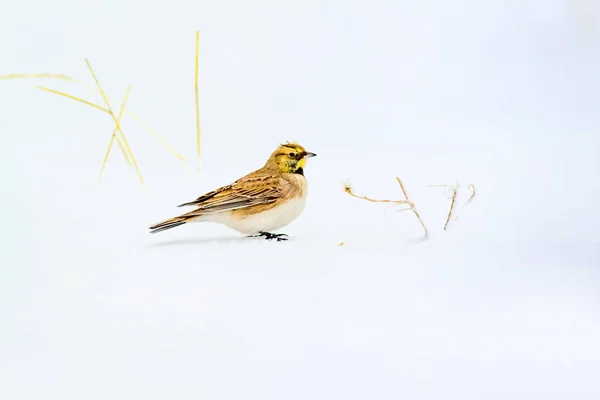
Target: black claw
column 270, row 236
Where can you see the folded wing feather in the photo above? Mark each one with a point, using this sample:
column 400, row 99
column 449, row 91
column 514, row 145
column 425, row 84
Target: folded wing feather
column 245, row 192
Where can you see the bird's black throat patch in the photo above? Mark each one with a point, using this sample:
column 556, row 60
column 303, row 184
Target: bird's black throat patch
column 300, row 171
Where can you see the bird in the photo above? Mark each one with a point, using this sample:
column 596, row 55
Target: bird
column 257, row 204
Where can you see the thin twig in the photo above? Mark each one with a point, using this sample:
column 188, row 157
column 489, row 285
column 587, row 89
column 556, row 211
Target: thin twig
column 115, row 120
column 411, row 205
column 114, row 136
column 197, row 103
column 453, row 190
column 397, row 202
column 453, row 199
column 470, row 199
column 472, row 190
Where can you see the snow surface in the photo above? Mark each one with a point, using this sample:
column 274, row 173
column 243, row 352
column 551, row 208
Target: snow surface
column 503, row 305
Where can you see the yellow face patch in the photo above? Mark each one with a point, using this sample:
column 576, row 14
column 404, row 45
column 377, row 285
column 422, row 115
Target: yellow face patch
column 289, row 158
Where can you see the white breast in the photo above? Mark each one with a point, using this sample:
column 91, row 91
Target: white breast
column 266, row 221
column 270, row 220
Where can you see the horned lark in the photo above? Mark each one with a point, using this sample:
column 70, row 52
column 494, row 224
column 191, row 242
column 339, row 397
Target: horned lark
column 257, row 204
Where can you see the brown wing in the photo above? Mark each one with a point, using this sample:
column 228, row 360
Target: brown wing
column 248, row 191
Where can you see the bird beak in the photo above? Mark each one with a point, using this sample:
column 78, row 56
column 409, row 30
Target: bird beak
column 309, row 155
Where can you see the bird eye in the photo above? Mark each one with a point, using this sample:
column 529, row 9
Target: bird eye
column 292, row 154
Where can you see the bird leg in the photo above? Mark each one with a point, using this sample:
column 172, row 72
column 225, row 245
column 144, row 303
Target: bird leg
column 271, row 236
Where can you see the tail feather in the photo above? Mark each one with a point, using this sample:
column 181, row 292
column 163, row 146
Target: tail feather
column 170, row 223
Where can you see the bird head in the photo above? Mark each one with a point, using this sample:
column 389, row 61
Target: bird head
column 289, row 158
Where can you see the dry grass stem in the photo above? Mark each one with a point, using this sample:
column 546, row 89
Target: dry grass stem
column 156, row 135
column 396, row 202
column 196, row 94
column 470, row 199
column 115, row 120
column 472, row 190
column 453, row 190
column 452, row 201
column 36, row 76
column 412, row 207
column 95, row 89
column 114, row 137
column 96, row 106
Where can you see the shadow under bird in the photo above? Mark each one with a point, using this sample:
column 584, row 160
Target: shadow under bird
column 257, row 204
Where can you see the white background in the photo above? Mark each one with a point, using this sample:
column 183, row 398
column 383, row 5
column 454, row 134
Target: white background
column 503, row 305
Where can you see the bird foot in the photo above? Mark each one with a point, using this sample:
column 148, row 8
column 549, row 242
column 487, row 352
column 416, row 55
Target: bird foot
column 270, row 236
